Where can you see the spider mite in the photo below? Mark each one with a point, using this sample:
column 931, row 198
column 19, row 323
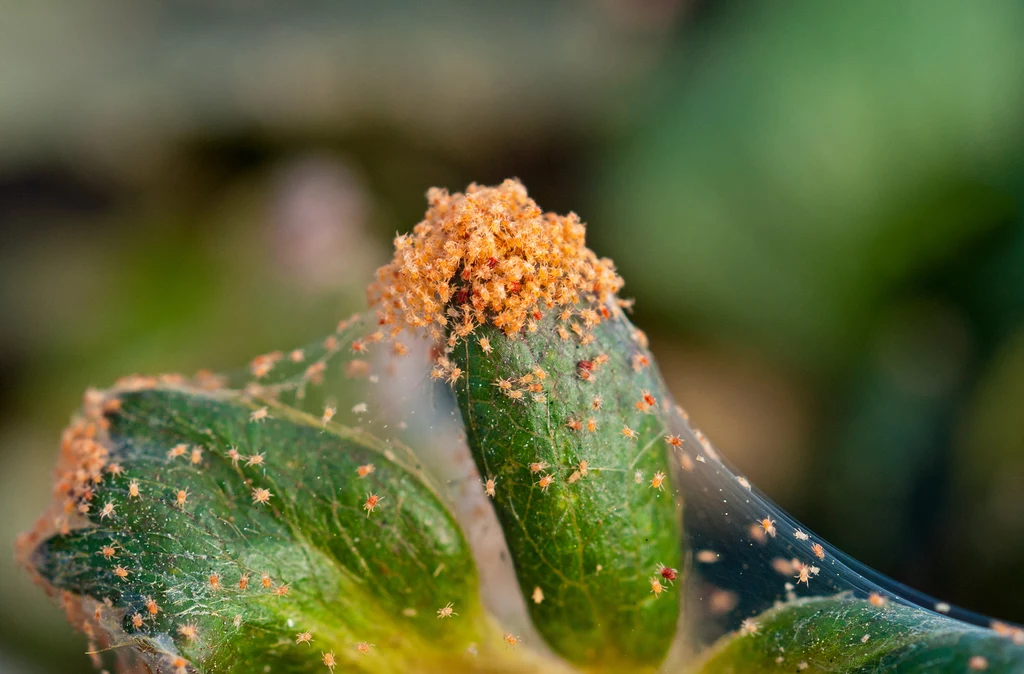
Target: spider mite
column 243, row 582
column 545, row 482
column 111, row 405
column 107, row 511
column 133, row 489
column 511, row 639
column 768, row 525
column 489, row 486
column 214, row 580
column 538, row 466
column 446, row 611
column 262, row 364
column 656, row 587
column 329, row 412
column 803, row 574
column 658, row 481
column 818, row 551
column 260, row 414
column 628, row 432
column 363, row 471
column 303, row 637
column 668, row 574
column 674, row 441
column 372, row 500
column 707, row 556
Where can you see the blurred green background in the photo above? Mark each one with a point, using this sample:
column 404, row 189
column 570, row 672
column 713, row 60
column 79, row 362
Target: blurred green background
column 818, row 207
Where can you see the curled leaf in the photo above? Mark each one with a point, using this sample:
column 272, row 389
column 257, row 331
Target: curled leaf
column 844, row 635
column 215, row 533
column 581, row 486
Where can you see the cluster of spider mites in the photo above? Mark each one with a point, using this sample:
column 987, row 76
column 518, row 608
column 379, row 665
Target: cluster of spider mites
column 489, row 256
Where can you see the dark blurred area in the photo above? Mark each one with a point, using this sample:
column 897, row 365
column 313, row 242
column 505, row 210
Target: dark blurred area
column 818, row 207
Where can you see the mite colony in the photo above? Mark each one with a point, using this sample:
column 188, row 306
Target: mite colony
column 489, row 256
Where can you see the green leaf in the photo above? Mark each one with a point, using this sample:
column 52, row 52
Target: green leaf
column 346, row 574
column 847, row 635
column 592, row 543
